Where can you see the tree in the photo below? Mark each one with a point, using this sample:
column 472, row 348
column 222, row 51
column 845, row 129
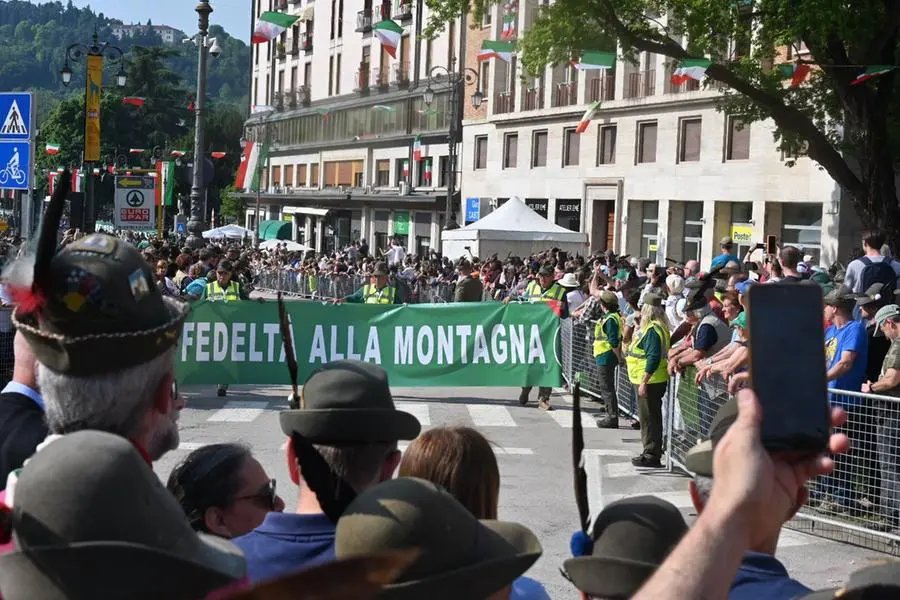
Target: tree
column 232, row 204
column 849, row 130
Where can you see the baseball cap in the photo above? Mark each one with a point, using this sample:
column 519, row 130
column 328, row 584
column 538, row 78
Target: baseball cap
column 884, row 313
column 743, row 287
column 546, row 271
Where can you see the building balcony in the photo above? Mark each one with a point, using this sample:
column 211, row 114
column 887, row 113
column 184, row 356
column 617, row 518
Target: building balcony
column 533, row 98
column 566, row 94
column 278, row 100
column 504, row 102
column 602, row 87
column 306, row 42
column 404, row 11
column 303, row 96
column 364, row 21
column 293, row 47
column 362, row 78
column 380, row 78
column 281, row 51
column 691, row 85
column 381, row 12
column 400, row 75
column 640, row 84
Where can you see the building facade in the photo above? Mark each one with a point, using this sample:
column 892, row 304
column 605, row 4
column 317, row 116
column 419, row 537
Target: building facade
column 659, row 172
column 169, row 35
column 342, row 117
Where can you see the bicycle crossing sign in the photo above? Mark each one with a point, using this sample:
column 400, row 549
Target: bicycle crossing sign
column 15, row 165
column 15, row 112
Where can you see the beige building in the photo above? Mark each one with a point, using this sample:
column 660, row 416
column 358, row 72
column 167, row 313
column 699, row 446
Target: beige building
column 346, row 115
column 659, row 171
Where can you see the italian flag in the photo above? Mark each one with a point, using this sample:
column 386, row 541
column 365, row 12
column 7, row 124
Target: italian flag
column 587, row 117
column 178, row 153
column 796, row 72
column 595, row 60
column 165, row 183
column 219, row 155
column 270, row 25
column 53, row 149
column 389, row 34
column 136, row 150
column 691, row 68
column 873, row 71
column 134, row 101
column 491, row 49
column 254, row 156
column 417, row 149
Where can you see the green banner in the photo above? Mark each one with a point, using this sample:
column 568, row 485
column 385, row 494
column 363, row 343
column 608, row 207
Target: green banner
column 471, row 344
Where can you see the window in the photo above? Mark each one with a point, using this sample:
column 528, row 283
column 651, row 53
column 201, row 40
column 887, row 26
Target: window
column 571, row 147
column 276, row 176
column 539, row 149
column 689, row 140
column 510, row 150
column 301, row 175
column 294, row 83
column 481, row 142
column 693, row 231
column 451, row 36
column 307, row 74
column 606, row 150
column 337, row 75
column 382, row 173
column 484, row 76
column 802, row 227
column 425, row 172
column 289, row 176
column 314, row 175
column 737, row 143
column 487, row 16
column 334, row 17
column 340, row 19
column 330, row 74
column 649, row 229
column 402, row 166
column 444, row 173
column 343, row 173
column 646, row 150
column 428, row 54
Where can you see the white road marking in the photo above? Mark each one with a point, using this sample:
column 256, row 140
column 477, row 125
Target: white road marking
column 792, row 539
column 417, row 409
column 490, row 415
column 239, row 411
column 593, row 467
column 564, row 418
column 189, row 446
column 679, row 499
column 498, row 450
column 620, row 469
column 608, row 452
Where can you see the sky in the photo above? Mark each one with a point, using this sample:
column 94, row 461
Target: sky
column 232, row 15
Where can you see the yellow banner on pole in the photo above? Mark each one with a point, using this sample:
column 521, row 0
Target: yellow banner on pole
column 742, row 234
column 92, row 108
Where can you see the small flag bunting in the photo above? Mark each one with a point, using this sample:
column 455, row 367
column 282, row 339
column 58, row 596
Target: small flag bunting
column 219, row 155
column 53, row 148
column 872, row 72
column 691, row 68
column 588, row 117
column 595, row 60
column 492, row 49
column 136, row 151
column 270, row 25
column 134, row 101
column 796, row 72
column 178, row 153
column 417, row 149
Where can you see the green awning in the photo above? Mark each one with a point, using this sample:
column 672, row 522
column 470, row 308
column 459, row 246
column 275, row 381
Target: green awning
column 274, row 230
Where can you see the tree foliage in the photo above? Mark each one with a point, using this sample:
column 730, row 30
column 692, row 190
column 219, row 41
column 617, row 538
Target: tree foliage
column 850, row 130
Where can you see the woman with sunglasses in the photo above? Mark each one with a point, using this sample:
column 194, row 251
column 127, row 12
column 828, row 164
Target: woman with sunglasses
column 223, row 490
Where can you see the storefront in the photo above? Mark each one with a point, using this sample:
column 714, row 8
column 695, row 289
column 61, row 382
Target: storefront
column 568, row 213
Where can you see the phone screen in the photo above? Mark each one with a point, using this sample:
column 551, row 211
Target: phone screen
column 771, row 245
column 787, row 365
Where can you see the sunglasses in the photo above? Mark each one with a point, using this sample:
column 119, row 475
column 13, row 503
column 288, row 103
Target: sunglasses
column 265, row 498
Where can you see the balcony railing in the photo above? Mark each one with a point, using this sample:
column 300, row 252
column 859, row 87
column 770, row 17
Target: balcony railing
column 381, row 12
column 401, row 74
column 306, row 40
column 380, row 77
column 504, row 102
column 691, row 85
column 364, row 20
column 640, row 84
column 362, row 78
column 404, row 11
column 566, row 94
column 532, row 98
column 293, row 46
column 602, row 88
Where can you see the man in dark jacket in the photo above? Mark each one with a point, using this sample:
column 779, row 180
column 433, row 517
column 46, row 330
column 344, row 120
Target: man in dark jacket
column 468, row 289
column 22, row 425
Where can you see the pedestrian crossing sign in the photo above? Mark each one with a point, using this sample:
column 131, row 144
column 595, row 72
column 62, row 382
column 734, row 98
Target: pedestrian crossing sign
column 15, row 112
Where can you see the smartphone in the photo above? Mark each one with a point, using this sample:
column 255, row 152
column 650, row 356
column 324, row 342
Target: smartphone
column 771, row 246
column 787, row 366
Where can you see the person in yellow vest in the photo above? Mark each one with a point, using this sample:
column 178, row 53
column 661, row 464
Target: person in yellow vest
column 224, row 289
column 544, row 289
column 608, row 355
column 646, row 362
column 379, row 290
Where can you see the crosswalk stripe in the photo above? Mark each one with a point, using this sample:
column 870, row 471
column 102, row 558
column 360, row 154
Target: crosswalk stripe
column 620, row 469
column 490, row 415
column 417, row 409
column 239, row 411
column 564, row 418
column 681, row 499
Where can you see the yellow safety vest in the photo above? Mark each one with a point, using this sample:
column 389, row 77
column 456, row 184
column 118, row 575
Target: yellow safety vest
column 601, row 343
column 313, row 283
column 372, row 295
column 636, row 357
column 215, row 293
column 534, row 293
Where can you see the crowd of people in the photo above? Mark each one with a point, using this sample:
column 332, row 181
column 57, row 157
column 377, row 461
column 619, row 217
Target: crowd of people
column 97, row 402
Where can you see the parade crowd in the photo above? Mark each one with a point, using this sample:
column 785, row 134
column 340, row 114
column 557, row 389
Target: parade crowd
column 94, row 401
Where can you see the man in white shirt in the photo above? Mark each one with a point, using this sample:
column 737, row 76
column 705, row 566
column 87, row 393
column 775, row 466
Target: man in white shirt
column 872, row 244
column 396, row 254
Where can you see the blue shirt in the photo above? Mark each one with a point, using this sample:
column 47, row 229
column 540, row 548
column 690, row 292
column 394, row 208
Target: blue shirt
column 525, row 588
column 286, row 543
column 849, row 338
column 722, row 260
column 762, row 576
column 20, row 388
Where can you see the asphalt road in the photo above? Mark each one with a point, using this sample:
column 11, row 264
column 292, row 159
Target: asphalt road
column 533, row 450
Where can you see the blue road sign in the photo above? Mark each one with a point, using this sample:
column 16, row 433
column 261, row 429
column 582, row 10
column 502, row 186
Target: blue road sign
column 473, row 210
column 181, row 228
column 15, row 116
column 15, row 165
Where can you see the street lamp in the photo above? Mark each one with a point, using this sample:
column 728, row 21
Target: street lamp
column 455, row 82
column 205, row 47
column 94, row 53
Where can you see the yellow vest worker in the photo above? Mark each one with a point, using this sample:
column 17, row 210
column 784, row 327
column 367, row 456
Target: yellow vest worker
column 636, row 358
column 372, row 295
column 544, row 289
column 215, row 293
column 378, row 290
column 602, row 342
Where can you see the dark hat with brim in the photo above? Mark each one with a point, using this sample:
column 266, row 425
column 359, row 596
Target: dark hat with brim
column 380, row 269
column 840, row 296
column 95, row 308
column 462, row 557
column 875, row 582
column 871, row 295
column 349, row 402
column 631, row 538
column 76, row 540
column 699, row 459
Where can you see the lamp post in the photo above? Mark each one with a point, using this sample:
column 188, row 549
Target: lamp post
column 456, row 82
column 94, row 52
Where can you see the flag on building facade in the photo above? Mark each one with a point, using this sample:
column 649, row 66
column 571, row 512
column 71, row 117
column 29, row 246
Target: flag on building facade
column 690, row 68
column 427, row 174
column 254, row 156
column 134, row 101
column 165, row 183
column 510, row 28
column 417, row 149
column 389, row 34
column 595, row 60
column 270, row 25
column 871, row 72
column 492, row 49
column 588, row 117
column 796, row 72
column 405, row 169
column 53, row 148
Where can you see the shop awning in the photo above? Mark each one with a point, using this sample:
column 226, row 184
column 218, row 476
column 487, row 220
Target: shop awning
column 274, row 230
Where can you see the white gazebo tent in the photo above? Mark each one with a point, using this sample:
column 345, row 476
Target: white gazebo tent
column 513, row 229
column 231, row 232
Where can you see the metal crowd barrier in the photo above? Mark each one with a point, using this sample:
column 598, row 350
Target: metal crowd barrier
column 858, row 504
column 297, row 283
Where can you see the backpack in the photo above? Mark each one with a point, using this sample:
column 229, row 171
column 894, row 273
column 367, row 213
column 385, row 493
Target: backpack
column 879, row 272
